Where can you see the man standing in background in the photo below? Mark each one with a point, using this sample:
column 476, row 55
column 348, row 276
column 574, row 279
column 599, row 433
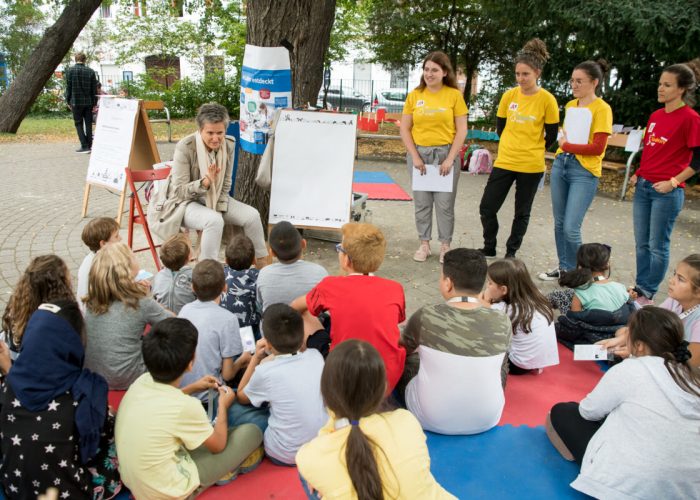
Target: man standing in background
column 81, row 96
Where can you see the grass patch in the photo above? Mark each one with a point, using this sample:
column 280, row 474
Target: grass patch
column 61, row 129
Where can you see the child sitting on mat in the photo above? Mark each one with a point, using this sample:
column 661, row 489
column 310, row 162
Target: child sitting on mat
column 289, row 380
column 645, row 409
column 459, row 340
column 510, row 289
column 172, row 285
column 241, row 280
column 166, row 445
column 117, row 312
column 363, row 451
column 362, row 306
column 96, row 234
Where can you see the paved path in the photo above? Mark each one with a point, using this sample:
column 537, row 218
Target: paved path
column 42, row 187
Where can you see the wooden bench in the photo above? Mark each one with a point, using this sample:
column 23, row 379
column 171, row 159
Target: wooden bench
column 159, row 106
column 616, row 140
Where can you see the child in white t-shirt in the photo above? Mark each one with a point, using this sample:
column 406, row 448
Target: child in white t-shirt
column 289, row 380
column 511, row 289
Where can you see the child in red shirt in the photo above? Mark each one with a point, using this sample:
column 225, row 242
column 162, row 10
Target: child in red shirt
column 362, row 306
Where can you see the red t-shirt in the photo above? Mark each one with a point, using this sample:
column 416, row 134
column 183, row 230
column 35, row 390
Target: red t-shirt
column 667, row 143
column 366, row 308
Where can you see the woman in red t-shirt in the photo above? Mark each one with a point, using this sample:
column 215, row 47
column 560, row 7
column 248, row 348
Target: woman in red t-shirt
column 671, row 155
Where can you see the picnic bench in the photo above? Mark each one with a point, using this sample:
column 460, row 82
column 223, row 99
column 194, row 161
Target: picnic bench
column 159, row 106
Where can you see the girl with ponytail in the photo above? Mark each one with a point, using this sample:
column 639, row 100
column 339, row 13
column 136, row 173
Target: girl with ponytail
column 578, row 167
column 635, row 434
column 364, row 452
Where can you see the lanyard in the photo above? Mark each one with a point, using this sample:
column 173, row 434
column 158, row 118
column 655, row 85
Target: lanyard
column 690, row 311
column 472, row 300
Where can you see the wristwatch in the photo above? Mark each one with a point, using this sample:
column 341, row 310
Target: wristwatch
column 674, row 182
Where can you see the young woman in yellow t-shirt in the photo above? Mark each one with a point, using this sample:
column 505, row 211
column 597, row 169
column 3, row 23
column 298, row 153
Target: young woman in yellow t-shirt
column 433, row 129
column 363, row 451
column 527, row 122
column 577, row 167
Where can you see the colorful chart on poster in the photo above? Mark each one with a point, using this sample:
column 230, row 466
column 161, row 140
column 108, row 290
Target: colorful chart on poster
column 266, row 84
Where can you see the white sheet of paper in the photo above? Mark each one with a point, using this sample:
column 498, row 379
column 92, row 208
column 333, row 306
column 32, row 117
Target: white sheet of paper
column 432, row 180
column 577, row 125
column 590, row 352
column 247, row 339
column 617, row 128
column 634, row 140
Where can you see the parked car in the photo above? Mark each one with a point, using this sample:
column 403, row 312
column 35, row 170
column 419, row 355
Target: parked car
column 391, row 99
column 345, row 98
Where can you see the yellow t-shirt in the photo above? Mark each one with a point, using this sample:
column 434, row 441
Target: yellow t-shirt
column 521, row 147
column 601, row 123
column 156, row 424
column 434, row 115
column 404, row 465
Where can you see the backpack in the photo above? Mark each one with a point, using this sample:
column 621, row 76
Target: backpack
column 480, row 162
column 466, row 153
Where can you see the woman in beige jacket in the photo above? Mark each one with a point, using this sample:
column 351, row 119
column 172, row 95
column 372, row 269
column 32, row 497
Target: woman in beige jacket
column 196, row 194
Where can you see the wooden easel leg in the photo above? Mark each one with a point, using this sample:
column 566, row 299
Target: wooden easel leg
column 122, row 198
column 86, row 196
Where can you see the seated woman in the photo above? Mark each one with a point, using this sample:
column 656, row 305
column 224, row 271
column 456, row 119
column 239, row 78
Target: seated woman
column 635, row 434
column 56, row 428
column 197, row 190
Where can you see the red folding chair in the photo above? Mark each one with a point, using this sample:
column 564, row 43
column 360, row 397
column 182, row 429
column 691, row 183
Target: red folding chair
column 140, row 216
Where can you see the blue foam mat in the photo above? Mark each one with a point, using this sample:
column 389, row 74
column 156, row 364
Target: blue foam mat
column 360, row 176
column 505, row 462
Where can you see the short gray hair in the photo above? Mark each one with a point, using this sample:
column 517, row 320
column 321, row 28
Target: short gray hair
column 212, row 112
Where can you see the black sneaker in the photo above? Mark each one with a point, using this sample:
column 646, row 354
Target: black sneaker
column 552, row 275
column 83, row 150
column 489, row 254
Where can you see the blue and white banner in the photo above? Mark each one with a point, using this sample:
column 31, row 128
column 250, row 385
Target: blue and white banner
column 266, row 84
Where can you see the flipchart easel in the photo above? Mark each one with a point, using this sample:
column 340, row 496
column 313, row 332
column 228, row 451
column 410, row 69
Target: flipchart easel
column 140, row 146
column 312, row 169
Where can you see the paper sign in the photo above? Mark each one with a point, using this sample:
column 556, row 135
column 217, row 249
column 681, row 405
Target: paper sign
column 577, row 125
column 432, row 180
column 247, row 339
column 111, row 146
column 617, row 128
column 634, row 140
column 266, row 84
column 588, row 352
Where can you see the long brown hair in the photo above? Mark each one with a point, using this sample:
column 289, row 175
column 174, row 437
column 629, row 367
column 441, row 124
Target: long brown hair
column 441, row 59
column 111, row 279
column 524, row 297
column 353, row 386
column 46, row 279
column 662, row 332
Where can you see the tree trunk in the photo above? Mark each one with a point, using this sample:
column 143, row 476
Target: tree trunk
column 303, row 26
column 48, row 54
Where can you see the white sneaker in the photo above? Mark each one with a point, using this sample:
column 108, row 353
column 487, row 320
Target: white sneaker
column 552, row 275
column 423, row 252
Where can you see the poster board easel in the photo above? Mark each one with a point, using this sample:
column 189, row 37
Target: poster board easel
column 142, row 155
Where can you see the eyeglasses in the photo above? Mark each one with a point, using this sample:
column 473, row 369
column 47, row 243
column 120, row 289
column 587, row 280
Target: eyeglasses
column 339, row 248
column 578, row 82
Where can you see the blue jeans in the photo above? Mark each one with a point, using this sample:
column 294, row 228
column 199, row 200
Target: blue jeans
column 654, row 214
column 573, row 189
column 245, row 414
column 307, row 489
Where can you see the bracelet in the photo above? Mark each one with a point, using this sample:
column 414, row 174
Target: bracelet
column 674, row 182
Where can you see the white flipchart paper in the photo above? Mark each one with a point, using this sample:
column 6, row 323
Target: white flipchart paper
column 312, row 168
column 432, row 180
column 111, row 145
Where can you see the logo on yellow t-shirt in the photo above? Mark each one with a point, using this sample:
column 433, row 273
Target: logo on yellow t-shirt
column 513, row 106
column 420, row 102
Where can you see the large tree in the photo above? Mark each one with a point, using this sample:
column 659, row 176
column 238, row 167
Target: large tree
column 304, row 27
column 402, row 33
column 56, row 42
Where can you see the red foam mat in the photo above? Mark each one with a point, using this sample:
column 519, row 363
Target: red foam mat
column 266, row 482
column 377, row 191
column 530, row 397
